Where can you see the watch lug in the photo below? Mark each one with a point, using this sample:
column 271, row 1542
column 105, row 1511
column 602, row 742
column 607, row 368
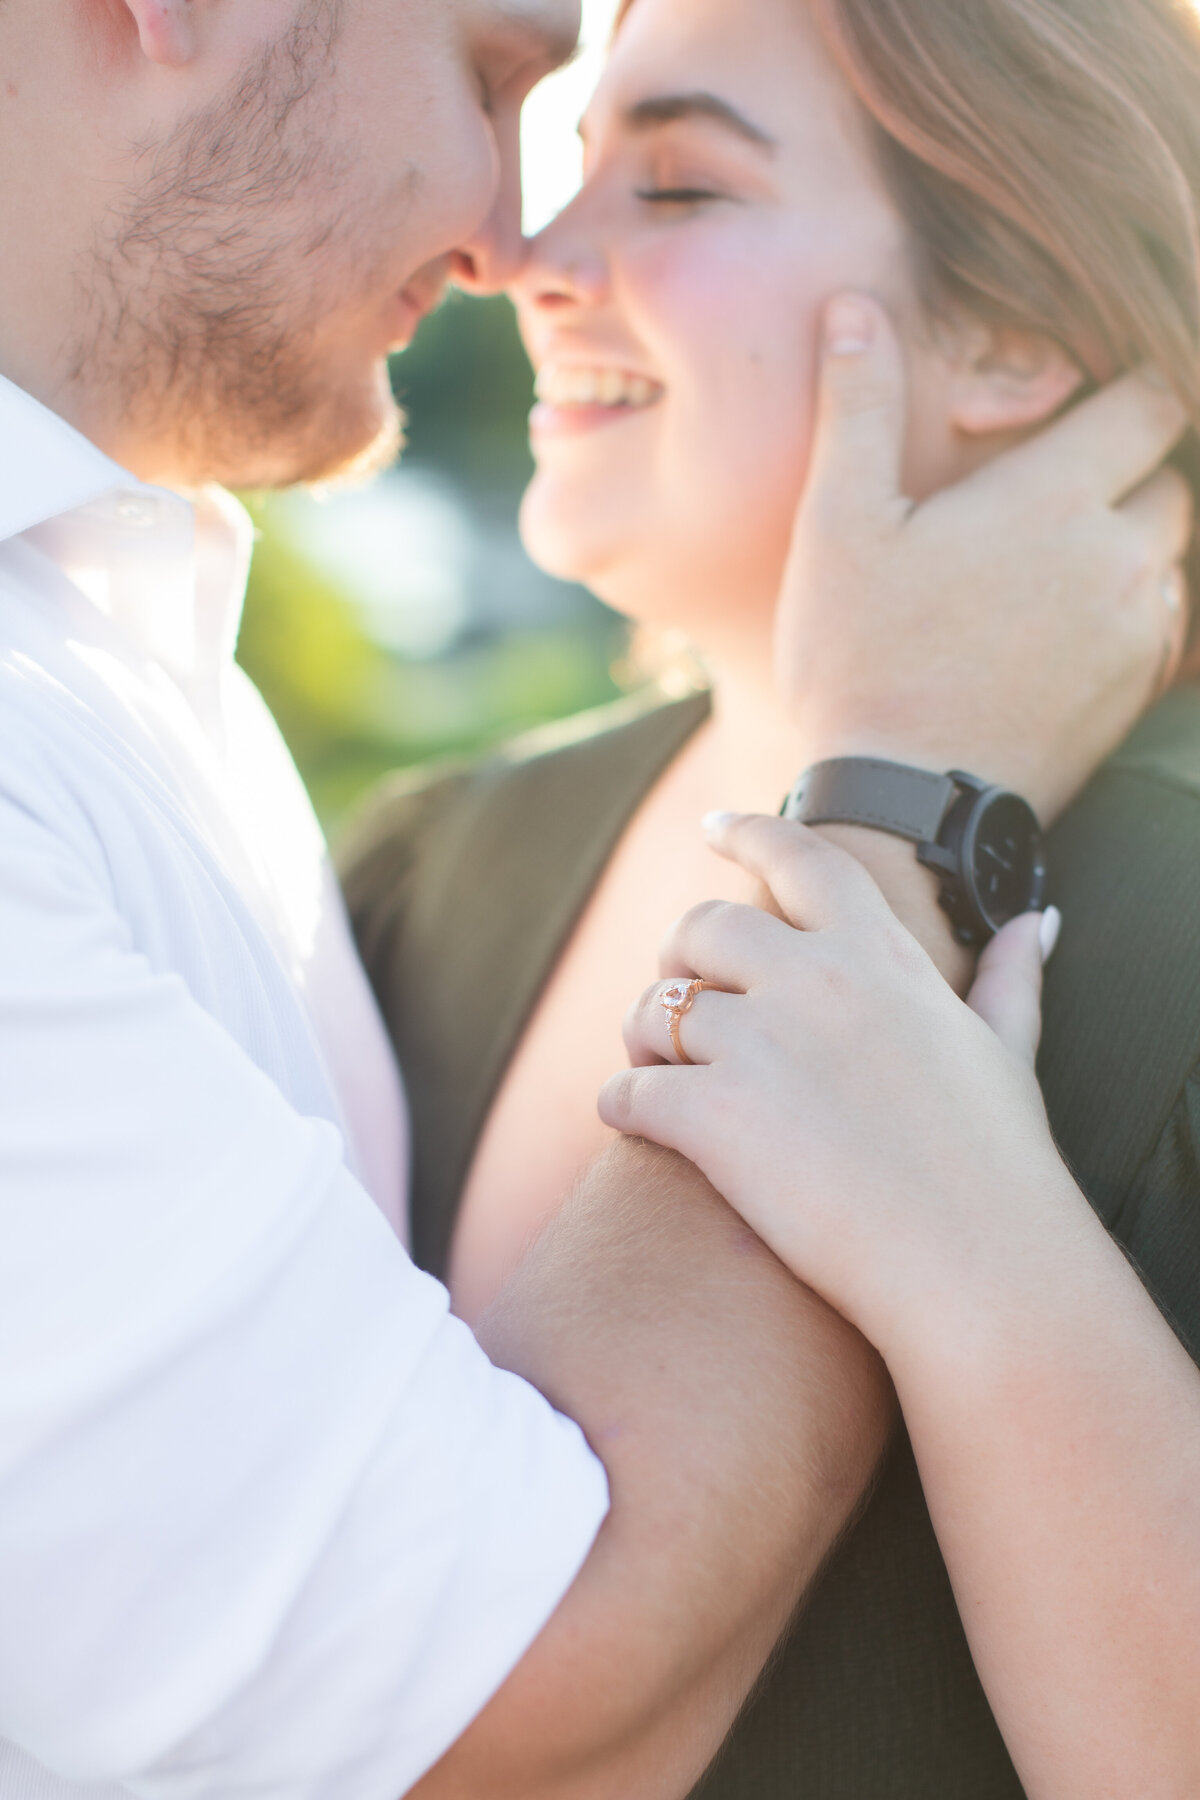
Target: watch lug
column 971, row 783
column 964, row 928
column 938, row 858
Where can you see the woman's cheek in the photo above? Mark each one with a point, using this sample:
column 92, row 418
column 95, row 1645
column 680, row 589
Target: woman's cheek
column 733, row 323
column 741, row 440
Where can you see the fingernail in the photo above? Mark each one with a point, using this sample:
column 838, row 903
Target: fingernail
column 849, row 326
column 1048, row 932
column 1154, row 378
column 714, row 822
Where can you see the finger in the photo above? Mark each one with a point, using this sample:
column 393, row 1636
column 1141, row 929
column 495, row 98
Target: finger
column 734, row 947
column 702, row 1030
column 1166, row 620
column 663, row 1105
column 861, row 410
column 1099, row 451
column 1007, row 992
column 1159, row 518
column 1177, row 601
column 815, row 883
column 1163, row 510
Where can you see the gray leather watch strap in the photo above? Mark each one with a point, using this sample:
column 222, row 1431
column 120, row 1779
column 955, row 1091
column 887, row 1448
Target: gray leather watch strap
column 858, row 790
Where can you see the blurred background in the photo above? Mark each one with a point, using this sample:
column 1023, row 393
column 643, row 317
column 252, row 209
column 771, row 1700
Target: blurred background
column 403, row 621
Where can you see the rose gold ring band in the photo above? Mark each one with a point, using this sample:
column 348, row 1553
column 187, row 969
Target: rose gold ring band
column 676, row 1001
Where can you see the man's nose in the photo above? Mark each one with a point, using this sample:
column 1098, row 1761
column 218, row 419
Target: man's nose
column 489, row 260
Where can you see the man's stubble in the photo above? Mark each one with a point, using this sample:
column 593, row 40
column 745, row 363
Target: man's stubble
column 210, row 297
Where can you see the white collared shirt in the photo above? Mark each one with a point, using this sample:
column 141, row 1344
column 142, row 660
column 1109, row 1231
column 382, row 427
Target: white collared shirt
column 270, row 1522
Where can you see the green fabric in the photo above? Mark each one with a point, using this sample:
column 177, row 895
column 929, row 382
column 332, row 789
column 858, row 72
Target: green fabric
column 463, row 888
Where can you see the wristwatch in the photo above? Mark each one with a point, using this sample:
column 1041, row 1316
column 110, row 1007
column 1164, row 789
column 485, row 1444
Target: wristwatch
column 984, row 843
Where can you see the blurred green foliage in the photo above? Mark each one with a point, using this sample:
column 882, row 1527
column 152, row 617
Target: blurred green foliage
column 351, row 709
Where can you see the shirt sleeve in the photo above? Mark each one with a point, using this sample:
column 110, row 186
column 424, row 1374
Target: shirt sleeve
column 270, row 1522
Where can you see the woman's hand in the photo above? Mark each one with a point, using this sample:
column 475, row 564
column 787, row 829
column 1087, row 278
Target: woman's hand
column 1016, row 625
column 886, row 1140
column 892, row 1148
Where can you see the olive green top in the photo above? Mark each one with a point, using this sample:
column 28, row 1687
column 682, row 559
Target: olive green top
column 464, row 886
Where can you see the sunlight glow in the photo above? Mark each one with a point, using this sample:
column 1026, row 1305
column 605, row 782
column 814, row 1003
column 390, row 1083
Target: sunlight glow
column 551, row 153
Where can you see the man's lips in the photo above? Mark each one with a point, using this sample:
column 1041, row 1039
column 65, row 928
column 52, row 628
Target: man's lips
column 412, row 304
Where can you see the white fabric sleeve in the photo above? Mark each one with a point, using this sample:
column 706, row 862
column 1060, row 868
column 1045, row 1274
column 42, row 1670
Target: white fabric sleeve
column 270, row 1523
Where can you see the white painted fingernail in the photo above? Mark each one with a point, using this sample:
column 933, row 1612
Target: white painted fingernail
column 713, row 822
column 849, row 326
column 1048, row 932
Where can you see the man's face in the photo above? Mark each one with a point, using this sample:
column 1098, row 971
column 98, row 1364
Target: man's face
column 285, row 228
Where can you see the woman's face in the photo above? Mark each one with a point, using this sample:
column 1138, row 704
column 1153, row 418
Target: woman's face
column 672, row 311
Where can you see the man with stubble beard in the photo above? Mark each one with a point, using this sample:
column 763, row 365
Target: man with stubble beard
column 271, row 1521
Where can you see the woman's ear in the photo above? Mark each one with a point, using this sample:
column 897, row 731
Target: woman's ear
column 1004, row 379
column 165, row 30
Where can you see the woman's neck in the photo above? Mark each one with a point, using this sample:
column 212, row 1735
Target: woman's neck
column 751, row 750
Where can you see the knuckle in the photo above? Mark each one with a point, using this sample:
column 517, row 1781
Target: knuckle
column 619, row 1101
column 686, row 930
column 705, row 916
column 865, row 400
column 902, row 955
column 638, row 1016
column 1177, row 492
column 833, row 969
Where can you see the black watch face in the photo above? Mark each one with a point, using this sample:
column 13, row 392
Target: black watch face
column 1005, row 859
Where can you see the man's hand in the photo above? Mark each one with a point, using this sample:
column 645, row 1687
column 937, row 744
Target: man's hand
column 1016, row 625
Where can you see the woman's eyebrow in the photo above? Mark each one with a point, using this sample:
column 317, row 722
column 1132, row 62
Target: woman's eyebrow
column 668, row 109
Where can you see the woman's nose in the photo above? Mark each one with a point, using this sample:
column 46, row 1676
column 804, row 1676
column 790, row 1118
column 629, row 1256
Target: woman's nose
column 563, row 265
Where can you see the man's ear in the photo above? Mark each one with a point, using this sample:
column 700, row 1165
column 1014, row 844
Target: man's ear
column 166, row 30
column 1004, row 379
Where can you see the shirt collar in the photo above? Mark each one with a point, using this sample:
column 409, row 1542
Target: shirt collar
column 46, row 466
column 170, row 574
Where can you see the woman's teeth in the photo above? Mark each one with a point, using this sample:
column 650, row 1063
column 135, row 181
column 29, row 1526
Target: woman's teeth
column 560, row 385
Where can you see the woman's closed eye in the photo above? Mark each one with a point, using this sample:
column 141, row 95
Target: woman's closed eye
column 677, row 196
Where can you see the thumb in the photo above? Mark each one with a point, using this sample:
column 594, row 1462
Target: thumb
column 1007, row 993
column 861, row 413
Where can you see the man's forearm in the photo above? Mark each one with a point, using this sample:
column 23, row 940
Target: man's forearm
column 740, row 1421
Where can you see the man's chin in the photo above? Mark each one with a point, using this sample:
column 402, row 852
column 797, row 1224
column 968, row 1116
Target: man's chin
column 337, row 451
column 349, row 465
column 291, row 442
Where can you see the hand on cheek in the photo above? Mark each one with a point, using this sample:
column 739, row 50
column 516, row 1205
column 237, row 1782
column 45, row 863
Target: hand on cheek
column 1016, row 624
column 875, row 1131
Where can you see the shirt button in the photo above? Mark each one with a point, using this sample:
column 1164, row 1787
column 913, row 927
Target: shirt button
column 136, row 512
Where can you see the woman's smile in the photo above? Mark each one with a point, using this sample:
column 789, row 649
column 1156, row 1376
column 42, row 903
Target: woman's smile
column 576, row 397
column 729, row 190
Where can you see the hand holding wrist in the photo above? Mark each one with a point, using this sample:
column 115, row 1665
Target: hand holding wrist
column 1015, row 625
column 876, row 1133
